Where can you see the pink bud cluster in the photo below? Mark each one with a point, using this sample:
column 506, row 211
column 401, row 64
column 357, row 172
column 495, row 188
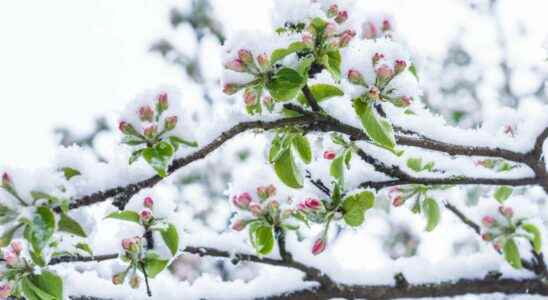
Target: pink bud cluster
column 329, row 155
column 132, row 244
column 495, row 228
column 370, row 30
column 266, row 192
column 148, row 114
column 5, row 290
column 11, row 254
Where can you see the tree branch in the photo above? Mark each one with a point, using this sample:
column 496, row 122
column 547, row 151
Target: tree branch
column 310, row 99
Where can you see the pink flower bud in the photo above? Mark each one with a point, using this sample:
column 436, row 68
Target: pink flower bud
column 150, row 131
column 312, row 203
column 146, row 113
column 235, row 65
column 399, row 66
column 346, row 37
column 509, row 130
column 148, row 202
column 405, row 101
column 488, row 221
column 170, row 122
column 274, row 204
column 256, row 209
column 506, row 211
column 355, row 77
column 127, row 243
column 250, row 97
column 301, row 206
column 17, row 247
column 369, row 31
column 487, row 237
column 318, row 247
column 384, row 72
column 261, row 191
column 239, row 225
column 242, row 201
column 10, row 257
column 125, row 127
column 118, row 278
column 231, row 89
column 6, row 179
column 332, row 11
column 386, row 26
column 245, row 56
column 342, row 16
column 271, row 190
column 330, row 29
column 145, row 215
column 329, row 155
column 398, row 201
column 377, row 57
column 163, row 103
column 5, row 290
column 308, row 39
column 134, row 281
column 263, row 61
column 374, row 93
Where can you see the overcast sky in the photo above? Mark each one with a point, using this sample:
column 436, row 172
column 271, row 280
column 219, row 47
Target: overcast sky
column 64, row 62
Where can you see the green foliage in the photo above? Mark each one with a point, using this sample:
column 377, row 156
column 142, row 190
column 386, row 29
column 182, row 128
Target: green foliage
column 432, row 212
column 70, row 172
column 416, row 165
column 535, row 236
column 171, row 238
column 68, row 224
column 376, row 127
column 355, row 206
column 279, row 54
column 285, row 84
column 321, row 92
column 262, row 237
column 159, row 157
column 125, row 215
column 511, row 254
column 503, row 193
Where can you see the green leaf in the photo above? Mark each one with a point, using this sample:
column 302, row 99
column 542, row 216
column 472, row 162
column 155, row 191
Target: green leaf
column 276, row 149
column 511, row 254
column 7, row 236
column 262, row 238
column 281, row 53
column 40, row 230
column 355, row 206
column 337, row 168
column 318, row 24
column 50, row 283
column 159, row 157
column 304, row 65
column 133, row 140
column 503, row 193
column 285, row 84
column 68, row 224
column 177, row 141
column 433, row 214
column 135, row 156
column 321, row 92
column 413, row 70
column 70, row 172
column 171, row 238
column 301, row 144
column 287, row 171
column 125, row 215
column 7, row 214
column 84, row 247
column 32, row 292
column 37, row 258
column 536, row 238
column 376, row 127
column 415, row 164
column 332, row 62
column 154, row 266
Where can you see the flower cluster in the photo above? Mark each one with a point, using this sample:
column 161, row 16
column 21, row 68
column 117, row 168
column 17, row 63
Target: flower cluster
column 133, row 253
column 258, row 67
column 151, row 128
column 379, row 89
column 379, row 28
column 503, row 229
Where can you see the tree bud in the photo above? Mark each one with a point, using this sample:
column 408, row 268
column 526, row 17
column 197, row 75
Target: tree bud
column 146, row 113
column 170, row 123
column 319, row 246
column 329, row 155
column 235, row 65
column 342, row 16
column 148, row 202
